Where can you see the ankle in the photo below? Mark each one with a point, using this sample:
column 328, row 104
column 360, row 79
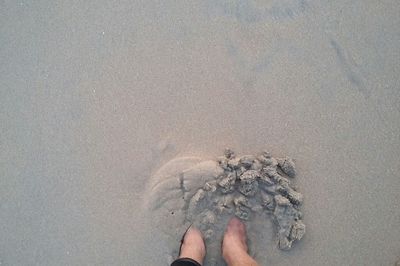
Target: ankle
column 239, row 259
column 193, row 254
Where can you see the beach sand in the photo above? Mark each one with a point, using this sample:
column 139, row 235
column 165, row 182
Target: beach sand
column 96, row 96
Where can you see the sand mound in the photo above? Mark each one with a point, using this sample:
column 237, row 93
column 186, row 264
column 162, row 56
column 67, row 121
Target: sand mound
column 207, row 193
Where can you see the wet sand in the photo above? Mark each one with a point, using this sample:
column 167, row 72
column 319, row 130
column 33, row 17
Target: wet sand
column 96, row 97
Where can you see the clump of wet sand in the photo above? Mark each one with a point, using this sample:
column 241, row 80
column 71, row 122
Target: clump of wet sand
column 206, row 193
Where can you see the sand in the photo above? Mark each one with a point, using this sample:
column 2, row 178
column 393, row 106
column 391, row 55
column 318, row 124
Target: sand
column 205, row 194
column 95, row 97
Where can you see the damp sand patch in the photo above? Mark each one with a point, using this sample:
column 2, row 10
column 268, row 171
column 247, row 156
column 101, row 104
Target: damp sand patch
column 207, row 193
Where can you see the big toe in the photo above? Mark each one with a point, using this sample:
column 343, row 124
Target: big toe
column 235, row 223
column 236, row 228
column 193, row 236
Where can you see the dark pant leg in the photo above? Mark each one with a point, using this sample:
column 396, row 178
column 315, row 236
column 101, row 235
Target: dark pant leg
column 185, row 262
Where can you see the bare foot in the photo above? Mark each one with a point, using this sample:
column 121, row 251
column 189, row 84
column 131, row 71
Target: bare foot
column 234, row 246
column 193, row 246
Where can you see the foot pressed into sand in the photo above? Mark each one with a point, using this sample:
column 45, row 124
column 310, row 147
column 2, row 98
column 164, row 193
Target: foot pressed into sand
column 234, row 247
column 193, row 246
